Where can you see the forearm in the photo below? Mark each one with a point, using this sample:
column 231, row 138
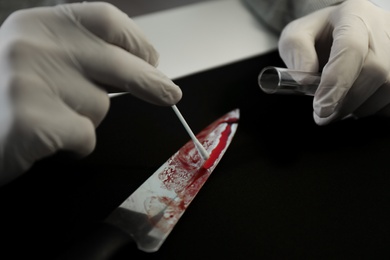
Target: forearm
column 276, row 14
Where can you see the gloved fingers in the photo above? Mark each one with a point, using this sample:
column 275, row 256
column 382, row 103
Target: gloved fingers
column 43, row 121
column 292, row 43
column 83, row 96
column 297, row 42
column 119, row 69
column 348, row 54
column 362, row 95
column 42, row 131
column 52, row 69
column 64, row 129
column 107, row 64
column 77, row 133
column 377, row 104
column 112, row 26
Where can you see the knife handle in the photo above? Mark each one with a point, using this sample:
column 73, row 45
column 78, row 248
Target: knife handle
column 103, row 242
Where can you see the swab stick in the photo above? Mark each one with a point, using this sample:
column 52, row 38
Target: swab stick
column 205, row 155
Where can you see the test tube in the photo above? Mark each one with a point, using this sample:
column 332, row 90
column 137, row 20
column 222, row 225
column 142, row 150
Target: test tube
column 275, row 80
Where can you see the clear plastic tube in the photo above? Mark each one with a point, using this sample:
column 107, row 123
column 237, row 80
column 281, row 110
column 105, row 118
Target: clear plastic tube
column 274, row 80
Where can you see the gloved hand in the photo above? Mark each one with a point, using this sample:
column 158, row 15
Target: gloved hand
column 351, row 42
column 54, row 62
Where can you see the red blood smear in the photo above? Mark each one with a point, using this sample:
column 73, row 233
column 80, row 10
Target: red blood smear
column 219, row 148
column 216, row 152
column 186, row 167
column 185, row 174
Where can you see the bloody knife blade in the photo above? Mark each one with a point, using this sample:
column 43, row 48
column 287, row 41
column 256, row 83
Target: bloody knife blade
column 152, row 211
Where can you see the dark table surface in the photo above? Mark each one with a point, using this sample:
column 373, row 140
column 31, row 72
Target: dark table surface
column 285, row 189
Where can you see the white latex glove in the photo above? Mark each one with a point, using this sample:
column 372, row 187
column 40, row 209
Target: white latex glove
column 54, row 62
column 352, row 40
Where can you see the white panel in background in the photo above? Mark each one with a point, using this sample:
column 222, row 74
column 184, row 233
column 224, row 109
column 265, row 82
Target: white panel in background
column 205, row 35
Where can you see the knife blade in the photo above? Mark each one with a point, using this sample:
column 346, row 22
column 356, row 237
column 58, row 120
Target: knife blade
column 151, row 212
column 148, row 215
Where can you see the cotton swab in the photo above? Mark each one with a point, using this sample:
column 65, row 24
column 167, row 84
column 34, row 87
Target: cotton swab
column 205, row 155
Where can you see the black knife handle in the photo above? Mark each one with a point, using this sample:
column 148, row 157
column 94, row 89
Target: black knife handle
column 102, row 242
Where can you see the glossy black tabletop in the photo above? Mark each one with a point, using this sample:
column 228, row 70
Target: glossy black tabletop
column 285, row 189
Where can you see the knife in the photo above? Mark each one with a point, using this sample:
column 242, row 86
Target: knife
column 149, row 214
